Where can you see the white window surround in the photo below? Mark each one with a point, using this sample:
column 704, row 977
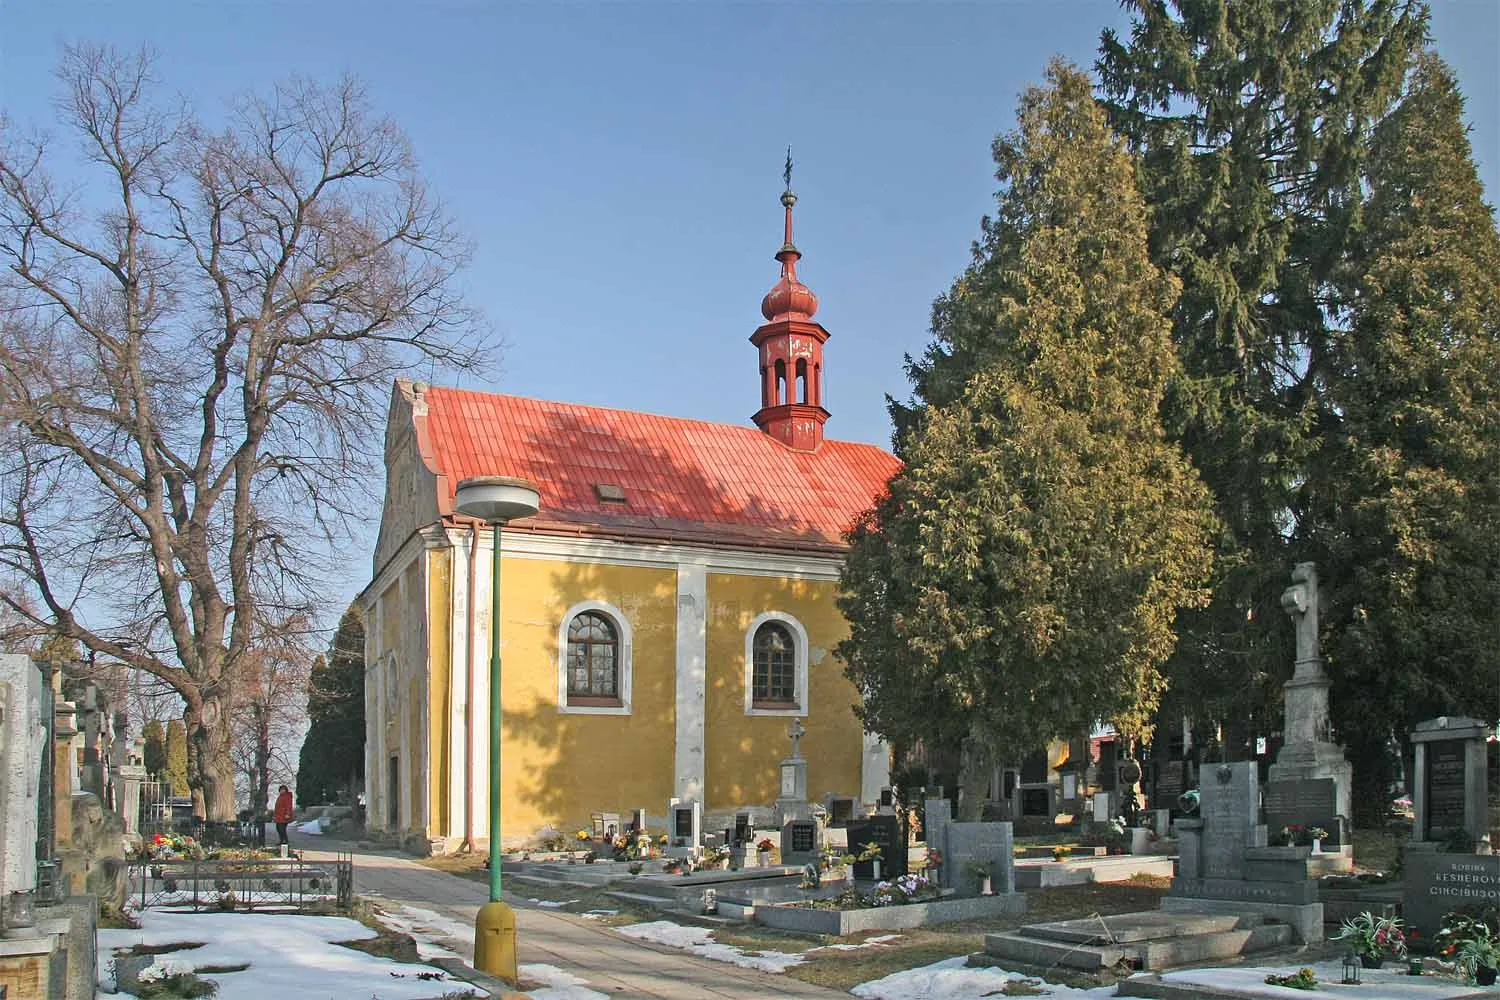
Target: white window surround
column 623, row 665
column 799, row 641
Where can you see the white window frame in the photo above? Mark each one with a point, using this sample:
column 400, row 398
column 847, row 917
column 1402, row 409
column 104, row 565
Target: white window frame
column 624, row 666
column 800, row 648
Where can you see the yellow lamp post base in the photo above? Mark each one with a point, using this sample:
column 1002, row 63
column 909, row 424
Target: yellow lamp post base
column 495, row 941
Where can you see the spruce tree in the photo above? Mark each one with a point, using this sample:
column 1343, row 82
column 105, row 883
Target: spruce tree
column 1408, row 482
column 1252, row 120
column 1021, row 579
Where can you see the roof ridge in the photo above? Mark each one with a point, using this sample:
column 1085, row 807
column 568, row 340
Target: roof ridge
column 622, row 412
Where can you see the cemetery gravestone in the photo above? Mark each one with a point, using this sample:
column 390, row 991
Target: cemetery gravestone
column 1224, row 865
column 1306, row 802
column 1448, row 864
column 1434, row 884
column 1036, row 802
column 1309, row 752
column 1171, row 782
column 992, row 844
column 799, row 842
column 1451, row 792
column 885, row 833
column 685, row 825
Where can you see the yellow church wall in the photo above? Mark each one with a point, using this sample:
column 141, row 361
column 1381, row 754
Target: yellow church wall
column 439, row 686
column 742, row 752
column 559, row 767
column 413, row 665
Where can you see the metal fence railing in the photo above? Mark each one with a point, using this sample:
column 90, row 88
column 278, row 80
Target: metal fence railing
column 269, row 883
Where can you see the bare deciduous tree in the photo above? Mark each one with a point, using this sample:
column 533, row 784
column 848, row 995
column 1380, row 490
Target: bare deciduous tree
column 270, row 718
column 194, row 356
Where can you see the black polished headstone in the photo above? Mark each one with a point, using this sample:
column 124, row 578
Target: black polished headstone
column 1446, row 792
column 1305, row 802
column 885, row 832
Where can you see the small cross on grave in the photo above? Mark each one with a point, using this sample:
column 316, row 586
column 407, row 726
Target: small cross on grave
column 795, row 731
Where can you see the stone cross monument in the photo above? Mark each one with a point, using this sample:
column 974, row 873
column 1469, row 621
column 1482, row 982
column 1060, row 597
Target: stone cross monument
column 791, row 801
column 1309, row 785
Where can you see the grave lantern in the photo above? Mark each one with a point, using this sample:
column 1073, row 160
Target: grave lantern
column 1351, row 969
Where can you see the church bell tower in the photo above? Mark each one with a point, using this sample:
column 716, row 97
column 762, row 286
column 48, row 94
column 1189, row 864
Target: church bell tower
column 791, row 350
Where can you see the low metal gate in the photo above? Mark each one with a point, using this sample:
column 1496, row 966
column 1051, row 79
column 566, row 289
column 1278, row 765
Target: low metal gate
column 236, row 884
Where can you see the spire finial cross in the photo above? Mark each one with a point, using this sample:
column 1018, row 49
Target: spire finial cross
column 787, row 173
column 795, row 731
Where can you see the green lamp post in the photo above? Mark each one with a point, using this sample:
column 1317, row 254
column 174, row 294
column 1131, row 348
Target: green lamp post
column 496, row 499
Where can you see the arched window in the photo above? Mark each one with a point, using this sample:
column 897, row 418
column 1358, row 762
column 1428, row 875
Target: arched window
column 802, row 380
column 593, row 659
column 774, row 680
column 781, row 386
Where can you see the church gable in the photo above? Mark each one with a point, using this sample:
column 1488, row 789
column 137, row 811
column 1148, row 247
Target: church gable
column 411, row 484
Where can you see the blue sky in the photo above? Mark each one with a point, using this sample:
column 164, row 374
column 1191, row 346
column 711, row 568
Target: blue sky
column 618, row 164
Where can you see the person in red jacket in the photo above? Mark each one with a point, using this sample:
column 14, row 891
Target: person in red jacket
column 283, row 813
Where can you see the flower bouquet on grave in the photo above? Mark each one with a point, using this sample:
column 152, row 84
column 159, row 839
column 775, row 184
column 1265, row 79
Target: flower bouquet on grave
column 871, row 852
column 981, row 873
column 764, row 850
column 1373, row 939
column 1292, row 834
column 1061, row 852
column 1472, row 943
column 932, row 862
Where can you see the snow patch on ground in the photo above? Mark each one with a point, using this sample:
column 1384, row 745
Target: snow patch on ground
column 596, row 914
column 288, row 954
column 428, row 929
column 951, row 979
column 872, row 942
column 559, row 984
column 551, row 904
column 700, row 941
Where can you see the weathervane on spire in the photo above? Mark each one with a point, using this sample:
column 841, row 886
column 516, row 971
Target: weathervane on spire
column 787, row 173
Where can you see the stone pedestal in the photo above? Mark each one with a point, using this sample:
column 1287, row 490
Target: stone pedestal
column 22, row 741
column 127, row 780
column 792, row 802
column 1310, row 782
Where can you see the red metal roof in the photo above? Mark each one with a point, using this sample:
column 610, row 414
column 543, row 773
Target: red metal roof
column 683, row 480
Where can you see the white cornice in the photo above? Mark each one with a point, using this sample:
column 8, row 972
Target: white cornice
column 654, row 555
column 528, row 545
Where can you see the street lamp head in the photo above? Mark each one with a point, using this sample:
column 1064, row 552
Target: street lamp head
column 496, row 499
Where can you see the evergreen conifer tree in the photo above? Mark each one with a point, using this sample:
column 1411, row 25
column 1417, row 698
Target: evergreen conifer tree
column 177, row 757
column 1252, row 120
column 1407, row 484
column 154, row 750
column 1021, row 579
column 332, row 761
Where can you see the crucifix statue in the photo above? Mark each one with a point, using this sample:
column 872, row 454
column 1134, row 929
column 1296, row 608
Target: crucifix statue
column 795, row 731
column 1301, row 602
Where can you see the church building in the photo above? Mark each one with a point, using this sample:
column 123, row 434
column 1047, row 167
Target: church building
column 665, row 616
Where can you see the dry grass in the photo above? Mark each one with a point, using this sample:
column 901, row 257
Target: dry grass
column 1380, row 850
column 159, row 949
